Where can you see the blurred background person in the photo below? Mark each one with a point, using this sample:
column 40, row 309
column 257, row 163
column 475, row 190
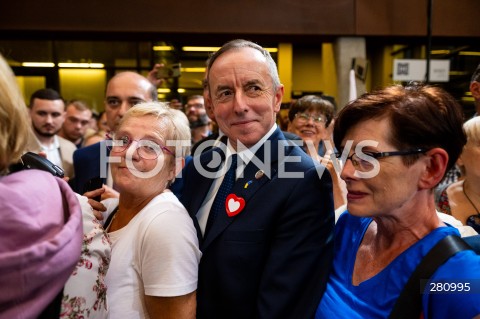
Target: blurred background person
column 100, row 134
column 41, row 220
column 93, row 125
column 310, row 118
column 475, row 89
column 395, row 159
column 176, row 104
column 154, row 267
column 47, row 113
column 77, row 120
column 461, row 199
column 198, row 118
column 455, row 173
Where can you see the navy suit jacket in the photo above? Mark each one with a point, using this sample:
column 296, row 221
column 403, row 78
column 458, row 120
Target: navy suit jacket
column 272, row 259
column 87, row 165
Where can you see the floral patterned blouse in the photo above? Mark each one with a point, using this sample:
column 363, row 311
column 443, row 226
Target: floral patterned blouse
column 85, row 293
column 441, row 199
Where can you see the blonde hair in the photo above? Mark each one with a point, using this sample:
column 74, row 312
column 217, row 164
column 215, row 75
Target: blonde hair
column 180, row 129
column 472, row 129
column 14, row 120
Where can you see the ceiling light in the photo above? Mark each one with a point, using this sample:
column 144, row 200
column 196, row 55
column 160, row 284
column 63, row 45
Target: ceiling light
column 162, row 48
column 474, row 53
column 39, row 64
column 213, row 49
column 193, row 70
column 81, row 65
column 163, row 90
column 181, row 90
column 200, row 49
column 440, row 52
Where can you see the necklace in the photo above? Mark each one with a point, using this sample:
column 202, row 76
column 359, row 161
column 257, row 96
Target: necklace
column 465, row 193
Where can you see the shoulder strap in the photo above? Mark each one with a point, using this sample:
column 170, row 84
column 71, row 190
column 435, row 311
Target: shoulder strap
column 110, row 218
column 409, row 303
column 474, row 242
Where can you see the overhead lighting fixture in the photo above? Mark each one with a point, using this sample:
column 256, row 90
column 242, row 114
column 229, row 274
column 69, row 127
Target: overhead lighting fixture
column 457, row 73
column 39, row 64
column 162, row 48
column 194, row 70
column 214, row 49
column 81, row 65
column 163, row 90
column 474, row 53
column 200, row 49
column 437, row 52
column 181, row 90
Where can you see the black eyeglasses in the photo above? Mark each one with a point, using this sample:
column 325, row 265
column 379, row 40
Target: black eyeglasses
column 364, row 165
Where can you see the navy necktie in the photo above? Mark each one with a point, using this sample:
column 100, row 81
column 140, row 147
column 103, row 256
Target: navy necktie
column 218, row 206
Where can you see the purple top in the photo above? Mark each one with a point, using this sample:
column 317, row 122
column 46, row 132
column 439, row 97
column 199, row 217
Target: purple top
column 40, row 243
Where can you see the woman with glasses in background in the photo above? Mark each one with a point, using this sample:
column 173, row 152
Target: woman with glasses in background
column 154, row 264
column 462, row 199
column 396, row 145
column 311, row 118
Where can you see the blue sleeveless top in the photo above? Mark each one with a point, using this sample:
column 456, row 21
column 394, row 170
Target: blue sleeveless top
column 375, row 297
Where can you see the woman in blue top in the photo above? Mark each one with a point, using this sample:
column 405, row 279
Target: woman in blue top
column 396, row 145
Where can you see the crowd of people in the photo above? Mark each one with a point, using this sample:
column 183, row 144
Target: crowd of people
column 211, row 210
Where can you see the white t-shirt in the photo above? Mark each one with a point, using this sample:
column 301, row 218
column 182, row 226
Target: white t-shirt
column 156, row 254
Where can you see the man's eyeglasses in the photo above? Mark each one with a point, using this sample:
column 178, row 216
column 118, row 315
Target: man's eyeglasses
column 304, row 117
column 146, row 149
column 365, row 165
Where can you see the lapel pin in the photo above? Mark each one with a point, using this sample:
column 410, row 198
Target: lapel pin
column 234, row 205
column 247, row 184
column 259, row 174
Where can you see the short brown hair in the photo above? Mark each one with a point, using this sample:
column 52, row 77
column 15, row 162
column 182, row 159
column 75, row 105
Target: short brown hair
column 312, row 103
column 421, row 116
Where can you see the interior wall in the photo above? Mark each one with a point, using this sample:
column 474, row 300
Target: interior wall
column 300, row 17
column 87, row 85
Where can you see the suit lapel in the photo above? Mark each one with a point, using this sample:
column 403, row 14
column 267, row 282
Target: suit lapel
column 201, row 183
column 248, row 185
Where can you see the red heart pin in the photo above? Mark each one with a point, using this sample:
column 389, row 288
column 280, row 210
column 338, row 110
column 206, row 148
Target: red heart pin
column 234, row 205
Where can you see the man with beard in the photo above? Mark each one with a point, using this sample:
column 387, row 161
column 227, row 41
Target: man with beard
column 47, row 111
column 198, row 118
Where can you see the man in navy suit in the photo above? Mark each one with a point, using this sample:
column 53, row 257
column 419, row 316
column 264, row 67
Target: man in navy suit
column 124, row 90
column 268, row 249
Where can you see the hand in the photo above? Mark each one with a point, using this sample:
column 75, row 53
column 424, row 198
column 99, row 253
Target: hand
column 326, row 160
column 152, row 75
column 97, row 207
column 109, row 193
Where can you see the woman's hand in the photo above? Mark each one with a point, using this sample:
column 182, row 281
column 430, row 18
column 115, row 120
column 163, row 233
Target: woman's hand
column 97, row 207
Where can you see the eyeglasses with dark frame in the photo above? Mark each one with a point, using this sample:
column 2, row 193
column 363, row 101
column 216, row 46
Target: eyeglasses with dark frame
column 146, row 149
column 365, row 165
column 304, row 117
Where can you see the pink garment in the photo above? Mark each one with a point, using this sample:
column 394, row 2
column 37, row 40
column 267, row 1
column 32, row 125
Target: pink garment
column 40, row 241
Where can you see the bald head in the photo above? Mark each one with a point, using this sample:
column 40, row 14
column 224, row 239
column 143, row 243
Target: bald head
column 125, row 90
